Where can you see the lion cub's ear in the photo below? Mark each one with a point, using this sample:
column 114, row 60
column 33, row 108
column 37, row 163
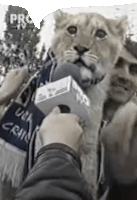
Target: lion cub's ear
column 58, row 15
column 60, row 18
column 121, row 25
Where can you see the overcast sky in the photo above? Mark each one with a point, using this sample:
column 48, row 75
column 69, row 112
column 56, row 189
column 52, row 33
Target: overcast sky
column 110, row 12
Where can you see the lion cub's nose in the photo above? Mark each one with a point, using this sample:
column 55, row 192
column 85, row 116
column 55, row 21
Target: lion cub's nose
column 81, row 49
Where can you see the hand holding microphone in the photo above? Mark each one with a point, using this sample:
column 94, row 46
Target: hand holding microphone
column 64, row 91
column 61, row 128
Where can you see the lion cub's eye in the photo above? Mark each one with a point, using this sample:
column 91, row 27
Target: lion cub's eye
column 101, row 34
column 72, row 30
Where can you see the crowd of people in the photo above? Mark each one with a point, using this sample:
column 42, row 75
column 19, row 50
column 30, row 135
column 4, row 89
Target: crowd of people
column 13, row 55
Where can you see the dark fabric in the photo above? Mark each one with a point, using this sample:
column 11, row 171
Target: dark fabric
column 107, row 182
column 7, row 192
column 45, row 73
column 123, row 192
column 19, row 123
column 55, row 175
column 103, row 182
column 118, row 191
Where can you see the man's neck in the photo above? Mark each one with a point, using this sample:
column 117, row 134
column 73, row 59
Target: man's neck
column 110, row 107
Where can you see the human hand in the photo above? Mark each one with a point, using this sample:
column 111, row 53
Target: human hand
column 61, row 128
column 12, row 84
column 120, row 142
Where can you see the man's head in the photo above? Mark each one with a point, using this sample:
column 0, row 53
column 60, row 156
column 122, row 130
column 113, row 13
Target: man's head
column 123, row 82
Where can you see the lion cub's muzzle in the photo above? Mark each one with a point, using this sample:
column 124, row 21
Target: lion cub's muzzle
column 90, row 75
column 90, row 78
column 88, row 67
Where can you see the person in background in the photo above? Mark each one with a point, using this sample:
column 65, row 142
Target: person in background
column 119, row 136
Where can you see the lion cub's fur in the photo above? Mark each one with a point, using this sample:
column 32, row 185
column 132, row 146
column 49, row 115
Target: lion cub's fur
column 103, row 53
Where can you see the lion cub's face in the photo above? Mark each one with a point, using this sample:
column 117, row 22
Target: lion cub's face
column 90, row 41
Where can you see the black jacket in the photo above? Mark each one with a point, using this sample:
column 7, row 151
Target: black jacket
column 56, row 175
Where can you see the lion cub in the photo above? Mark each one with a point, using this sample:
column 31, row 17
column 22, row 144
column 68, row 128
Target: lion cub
column 93, row 43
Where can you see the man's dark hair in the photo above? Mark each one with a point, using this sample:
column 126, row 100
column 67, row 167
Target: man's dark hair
column 131, row 46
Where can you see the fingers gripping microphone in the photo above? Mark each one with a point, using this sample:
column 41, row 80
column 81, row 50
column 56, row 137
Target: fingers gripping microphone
column 64, row 91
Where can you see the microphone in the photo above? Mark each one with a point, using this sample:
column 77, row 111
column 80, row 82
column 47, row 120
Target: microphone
column 64, row 91
column 67, row 69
